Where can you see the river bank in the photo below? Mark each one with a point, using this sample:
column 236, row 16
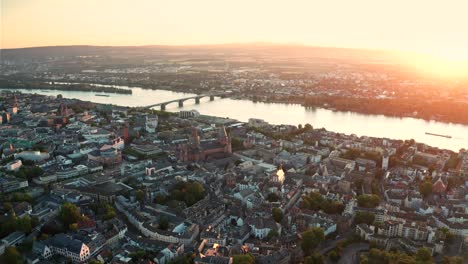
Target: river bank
column 83, row 87
column 291, row 114
column 455, row 112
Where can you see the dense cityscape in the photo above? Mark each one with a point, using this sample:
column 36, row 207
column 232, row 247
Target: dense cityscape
column 87, row 182
column 369, row 82
column 233, row 132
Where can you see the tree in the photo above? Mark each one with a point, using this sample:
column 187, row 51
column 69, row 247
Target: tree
column 69, row 214
column 184, row 259
column 24, row 224
column 160, row 199
column 368, row 200
column 7, row 225
column 109, row 211
column 425, row 189
column 12, row 255
column 452, row 260
column 334, row 255
column 272, row 197
column 189, row 192
column 243, row 259
column 272, row 233
column 364, row 218
column 424, row 255
column 73, row 227
column 140, row 195
column 277, row 214
column 314, row 259
column 315, row 201
column 311, row 239
column 237, row 144
column 163, row 223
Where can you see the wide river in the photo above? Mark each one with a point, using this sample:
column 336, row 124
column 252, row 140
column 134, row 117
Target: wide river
column 293, row 114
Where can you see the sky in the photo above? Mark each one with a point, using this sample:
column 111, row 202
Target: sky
column 435, row 27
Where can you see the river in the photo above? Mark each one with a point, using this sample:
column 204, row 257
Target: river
column 292, row 114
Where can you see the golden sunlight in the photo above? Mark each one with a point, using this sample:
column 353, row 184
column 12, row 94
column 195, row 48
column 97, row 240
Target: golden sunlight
column 447, row 65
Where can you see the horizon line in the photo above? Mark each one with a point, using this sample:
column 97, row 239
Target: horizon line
column 257, row 43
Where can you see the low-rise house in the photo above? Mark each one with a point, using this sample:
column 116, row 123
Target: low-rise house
column 262, row 226
column 68, row 247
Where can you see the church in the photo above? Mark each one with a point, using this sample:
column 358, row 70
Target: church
column 196, row 150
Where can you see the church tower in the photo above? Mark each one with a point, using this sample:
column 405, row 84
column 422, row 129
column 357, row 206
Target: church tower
column 225, row 140
column 385, row 160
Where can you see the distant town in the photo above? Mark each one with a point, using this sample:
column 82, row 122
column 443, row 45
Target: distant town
column 83, row 182
column 369, row 82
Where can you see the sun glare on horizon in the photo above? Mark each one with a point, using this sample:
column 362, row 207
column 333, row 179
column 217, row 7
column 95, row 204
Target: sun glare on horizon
column 443, row 65
column 428, row 27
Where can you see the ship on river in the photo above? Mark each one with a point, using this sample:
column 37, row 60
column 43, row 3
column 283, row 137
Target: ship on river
column 438, row 135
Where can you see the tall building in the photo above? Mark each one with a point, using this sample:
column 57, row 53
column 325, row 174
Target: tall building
column 13, row 109
column 63, row 110
column 126, row 133
column 385, row 160
column 151, row 123
column 197, row 150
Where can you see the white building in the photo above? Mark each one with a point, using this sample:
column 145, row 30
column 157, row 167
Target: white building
column 189, row 114
column 257, row 123
column 151, row 123
column 14, row 165
column 385, row 160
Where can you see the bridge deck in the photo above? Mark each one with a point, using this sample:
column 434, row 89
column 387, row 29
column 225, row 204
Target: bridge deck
column 184, row 99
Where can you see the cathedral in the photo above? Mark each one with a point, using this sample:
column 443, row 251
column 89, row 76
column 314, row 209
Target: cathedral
column 196, row 150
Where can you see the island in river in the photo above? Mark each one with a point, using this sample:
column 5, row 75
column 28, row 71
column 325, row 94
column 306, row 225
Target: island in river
column 83, row 87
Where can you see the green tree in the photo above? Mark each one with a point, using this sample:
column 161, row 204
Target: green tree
column 272, row 233
column 163, row 223
column 272, row 197
column 73, row 227
column 237, row 144
column 12, row 256
column 452, row 260
column 423, row 255
column 243, row 259
column 448, row 236
column 368, row 200
column 311, row 239
column 23, row 224
column 185, row 259
column 188, row 192
column 364, row 218
column 425, row 189
column 69, row 214
column 314, row 259
column 334, row 255
column 140, row 195
column 315, row 201
column 277, row 214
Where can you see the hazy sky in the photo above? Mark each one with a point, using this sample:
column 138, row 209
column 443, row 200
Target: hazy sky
column 439, row 27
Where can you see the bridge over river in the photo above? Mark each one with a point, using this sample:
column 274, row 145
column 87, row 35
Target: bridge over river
column 182, row 100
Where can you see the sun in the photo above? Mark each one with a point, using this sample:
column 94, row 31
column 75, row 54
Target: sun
column 447, row 64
